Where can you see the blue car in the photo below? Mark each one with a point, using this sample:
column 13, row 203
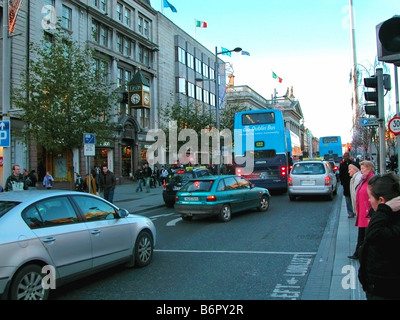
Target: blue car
column 219, row 196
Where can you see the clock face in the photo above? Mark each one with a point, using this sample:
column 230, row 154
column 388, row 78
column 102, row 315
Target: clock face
column 146, row 98
column 135, row 98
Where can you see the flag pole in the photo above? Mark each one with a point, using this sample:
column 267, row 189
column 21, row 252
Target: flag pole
column 162, row 6
column 194, row 29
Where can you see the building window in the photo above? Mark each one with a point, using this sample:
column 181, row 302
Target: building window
column 140, row 54
column 140, row 25
column 212, row 99
column 205, row 70
column 212, row 73
column 206, row 96
column 146, row 29
column 144, row 117
column 101, row 69
column 119, row 43
column 190, row 61
column 198, row 65
column 119, row 11
column 191, row 92
column 182, row 85
column 127, row 17
column 100, row 33
column 199, row 92
column 127, row 48
column 181, row 55
column 103, row 5
column 66, row 20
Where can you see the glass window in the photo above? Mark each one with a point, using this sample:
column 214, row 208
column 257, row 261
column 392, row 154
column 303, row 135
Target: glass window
column 119, row 43
column 190, row 61
column 182, row 85
column 127, row 17
column 119, row 11
column 49, row 213
column 198, row 65
column 181, row 55
column 94, row 209
column 191, row 92
column 205, row 70
column 66, row 20
column 205, row 96
column 199, row 93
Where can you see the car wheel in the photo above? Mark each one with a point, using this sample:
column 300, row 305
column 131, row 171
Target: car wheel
column 264, row 204
column 225, row 214
column 187, row 218
column 330, row 196
column 143, row 249
column 292, row 198
column 27, row 284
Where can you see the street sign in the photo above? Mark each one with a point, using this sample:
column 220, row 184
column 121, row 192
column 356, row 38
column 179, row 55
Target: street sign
column 366, row 122
column 89, row 144
column 4, row 133
column 394, row 125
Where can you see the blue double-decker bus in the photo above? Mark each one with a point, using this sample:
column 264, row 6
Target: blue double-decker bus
column 330, row 148
column 262, row 148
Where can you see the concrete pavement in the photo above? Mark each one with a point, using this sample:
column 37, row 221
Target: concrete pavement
column 333, row 276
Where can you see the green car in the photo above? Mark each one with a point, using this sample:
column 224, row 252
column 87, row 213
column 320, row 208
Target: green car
column 219, row 196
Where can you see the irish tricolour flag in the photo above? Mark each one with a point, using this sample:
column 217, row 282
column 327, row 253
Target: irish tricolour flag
column 201, row 24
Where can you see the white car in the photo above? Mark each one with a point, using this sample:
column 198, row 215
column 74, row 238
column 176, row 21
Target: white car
column 312, row 177
column 58, row 236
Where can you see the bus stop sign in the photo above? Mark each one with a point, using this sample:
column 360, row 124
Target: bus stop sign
column 4, row 133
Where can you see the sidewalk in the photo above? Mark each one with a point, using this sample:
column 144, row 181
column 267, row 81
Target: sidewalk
column 332, row 271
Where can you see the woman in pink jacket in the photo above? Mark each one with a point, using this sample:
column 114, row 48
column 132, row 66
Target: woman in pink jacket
column 362, row 203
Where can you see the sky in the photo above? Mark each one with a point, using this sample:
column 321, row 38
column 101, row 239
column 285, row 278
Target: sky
column 306, row 43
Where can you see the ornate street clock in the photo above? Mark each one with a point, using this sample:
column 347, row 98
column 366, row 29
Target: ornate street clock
column 139, row 91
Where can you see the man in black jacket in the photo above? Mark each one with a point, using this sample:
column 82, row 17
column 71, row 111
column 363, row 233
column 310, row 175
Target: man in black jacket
column 345, row 181
column 107, row 184
column 147, row 173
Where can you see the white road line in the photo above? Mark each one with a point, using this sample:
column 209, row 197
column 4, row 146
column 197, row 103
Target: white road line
column 172, row 223
column 233, row 251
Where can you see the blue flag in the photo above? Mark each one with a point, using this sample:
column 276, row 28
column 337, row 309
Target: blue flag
column 225, row 51
column 245, row 53
column 168, row 5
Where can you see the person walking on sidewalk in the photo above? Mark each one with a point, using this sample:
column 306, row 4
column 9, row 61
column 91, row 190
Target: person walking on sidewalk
column 355, row 174
column 107, row 184
column 147, row 173
column 363, row 205
column 139, row 178
column 345, row 181
column 379, row 271
column 16, row 181
column 48, row 181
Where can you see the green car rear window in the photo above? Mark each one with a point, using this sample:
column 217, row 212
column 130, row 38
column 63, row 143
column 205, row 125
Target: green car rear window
column 198, row 186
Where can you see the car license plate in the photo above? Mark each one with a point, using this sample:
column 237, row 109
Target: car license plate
column 308, row 182
column 191, row 198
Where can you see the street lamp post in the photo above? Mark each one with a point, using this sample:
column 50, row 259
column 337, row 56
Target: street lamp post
column 237, row 49
column 218, row 98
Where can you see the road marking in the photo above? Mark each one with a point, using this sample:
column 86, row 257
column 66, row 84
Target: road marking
column 235, row 252
column 161, row 215
column 172, row 223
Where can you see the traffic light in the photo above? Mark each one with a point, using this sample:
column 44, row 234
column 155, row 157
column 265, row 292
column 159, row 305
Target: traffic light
column 388, row 40
column 371, row 108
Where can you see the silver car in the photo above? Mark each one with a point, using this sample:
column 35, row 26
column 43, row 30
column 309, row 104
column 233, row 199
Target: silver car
column 50, row 237
column 309, row 178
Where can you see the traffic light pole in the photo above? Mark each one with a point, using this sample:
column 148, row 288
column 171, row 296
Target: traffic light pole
column 381, row 121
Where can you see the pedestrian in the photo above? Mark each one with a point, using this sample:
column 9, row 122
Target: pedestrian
column 96, row 174
column 16, row 181
column 156, row 176
column 379, row 271
column 363, row 206
column 139, row 178
column 147, row 173
column 107, row 184
column 92, row 188
column 164, row 175
column 345, row 178
column 355, row 174
column 30, row 179
column 48, row 180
